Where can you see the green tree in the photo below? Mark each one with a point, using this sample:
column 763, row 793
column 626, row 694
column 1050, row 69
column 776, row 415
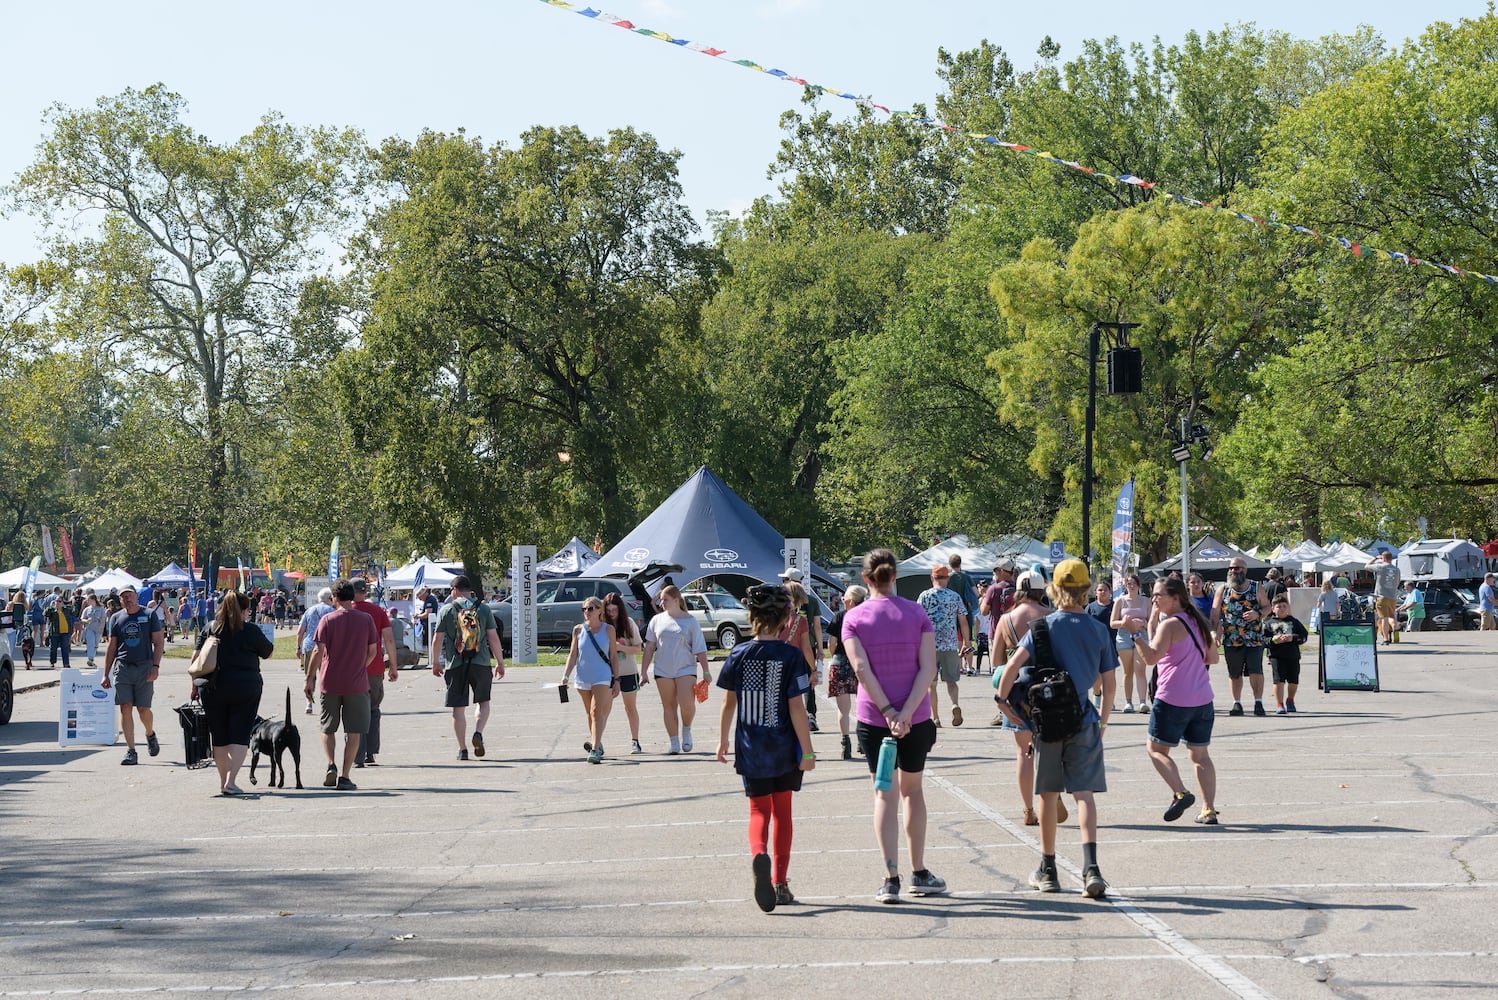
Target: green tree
column 192, row 273
column 524, row 303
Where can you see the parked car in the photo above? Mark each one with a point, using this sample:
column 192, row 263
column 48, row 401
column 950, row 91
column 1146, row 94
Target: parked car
column 723, row 619
column 7, row 673
column 1447, row 611
column 559, row 606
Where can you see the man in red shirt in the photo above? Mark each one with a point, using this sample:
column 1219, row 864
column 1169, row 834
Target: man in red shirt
column 378, row 671
column 346, row 642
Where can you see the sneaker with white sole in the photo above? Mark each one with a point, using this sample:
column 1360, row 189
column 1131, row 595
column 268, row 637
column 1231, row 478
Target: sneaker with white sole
column 764, row 889
column 675, row 745
column 131, row 757
column 1045, row 879
column 889, row 892
column 1093, row 884
column 153, row 745
column 634, row 747
column 924, row 883
column 686, row 739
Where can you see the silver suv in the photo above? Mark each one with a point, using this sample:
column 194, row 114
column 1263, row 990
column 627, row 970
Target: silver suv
column 722, row 618
column 559, row 606
column 7, row 673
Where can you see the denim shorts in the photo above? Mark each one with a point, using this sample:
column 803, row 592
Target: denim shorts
column 1169, row 723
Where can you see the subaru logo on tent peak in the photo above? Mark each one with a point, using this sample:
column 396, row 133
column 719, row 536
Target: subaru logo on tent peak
column 637, row 555
column 721, row 558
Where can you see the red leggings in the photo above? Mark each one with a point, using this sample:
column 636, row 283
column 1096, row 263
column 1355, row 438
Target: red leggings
column 761, row 809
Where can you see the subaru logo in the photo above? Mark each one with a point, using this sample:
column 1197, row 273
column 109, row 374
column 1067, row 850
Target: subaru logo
column 637, row 555
column 720, row 555
column 99, row 693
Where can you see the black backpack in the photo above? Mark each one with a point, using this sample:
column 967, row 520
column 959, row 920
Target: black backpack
column 1055, row 709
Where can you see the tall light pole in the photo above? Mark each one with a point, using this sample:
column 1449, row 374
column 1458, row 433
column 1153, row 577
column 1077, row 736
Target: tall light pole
column 1184, row 439
column 1124, row 377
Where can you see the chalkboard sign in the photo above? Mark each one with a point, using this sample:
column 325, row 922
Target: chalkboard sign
column 1349, row 656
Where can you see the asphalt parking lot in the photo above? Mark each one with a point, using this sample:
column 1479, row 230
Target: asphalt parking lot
column 1358, row 857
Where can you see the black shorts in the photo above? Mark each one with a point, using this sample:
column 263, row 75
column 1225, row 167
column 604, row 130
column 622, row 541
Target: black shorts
column 461, row 680
column 629, row 683
column 1286, row 671
column 790, row 781
column 910, row 750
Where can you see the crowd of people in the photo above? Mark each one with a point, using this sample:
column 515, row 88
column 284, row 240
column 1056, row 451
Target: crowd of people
column 887, row 657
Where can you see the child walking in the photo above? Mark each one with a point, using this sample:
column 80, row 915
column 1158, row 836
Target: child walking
column 764, row 682
column 1285, row 635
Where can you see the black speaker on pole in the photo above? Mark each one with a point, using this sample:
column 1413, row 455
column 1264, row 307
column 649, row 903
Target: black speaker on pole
column 1125, row 368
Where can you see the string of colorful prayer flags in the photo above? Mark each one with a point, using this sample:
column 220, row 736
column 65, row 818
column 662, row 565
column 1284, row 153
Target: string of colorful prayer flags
column 1356, row 248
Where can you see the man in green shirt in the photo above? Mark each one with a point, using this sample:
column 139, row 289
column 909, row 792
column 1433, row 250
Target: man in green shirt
column 466, row 626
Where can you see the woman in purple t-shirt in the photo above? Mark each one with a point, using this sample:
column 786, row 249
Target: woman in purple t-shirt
column 891, row 644
column 1181, row 647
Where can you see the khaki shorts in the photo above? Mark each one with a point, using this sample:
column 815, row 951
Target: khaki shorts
column 948, row 665
column 1384, row 607
column 352, row 710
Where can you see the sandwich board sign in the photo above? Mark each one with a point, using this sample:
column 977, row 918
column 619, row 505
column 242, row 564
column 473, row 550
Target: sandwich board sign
column 1349, row 656
column 85, row 712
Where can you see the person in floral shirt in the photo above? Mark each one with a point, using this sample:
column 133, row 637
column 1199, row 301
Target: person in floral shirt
column 948, row 616
column 1238, row 610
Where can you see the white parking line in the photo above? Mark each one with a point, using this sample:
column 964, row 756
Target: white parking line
column 1219, row 971
column 690, row 970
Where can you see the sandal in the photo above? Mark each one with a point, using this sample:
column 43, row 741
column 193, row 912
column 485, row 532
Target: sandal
column 1208, row 817
column 1031, row 819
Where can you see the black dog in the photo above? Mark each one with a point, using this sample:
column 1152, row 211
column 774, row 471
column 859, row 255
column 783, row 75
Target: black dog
column 28, row 648
column 272, row 738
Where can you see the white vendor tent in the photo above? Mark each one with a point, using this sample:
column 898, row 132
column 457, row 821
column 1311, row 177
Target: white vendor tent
column 434, row 574
column 15, row 579
column 1344, row 557
column 1442, row 559
column 114, row 579
column 1296, row 556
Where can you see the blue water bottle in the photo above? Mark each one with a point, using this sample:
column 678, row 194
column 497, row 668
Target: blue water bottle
column 884, row 772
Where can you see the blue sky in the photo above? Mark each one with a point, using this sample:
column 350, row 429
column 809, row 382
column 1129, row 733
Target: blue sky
column 497, row 67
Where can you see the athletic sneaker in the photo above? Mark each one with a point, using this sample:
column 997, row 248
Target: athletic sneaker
column 345, row 785
column 783, row 895
column 370, row 760
column 764, row 892
column 1092, row 883
column 675, row 745
column 1237, row 709
column 153, row 745
column 596, row 757
column 1290, row 706
column 330, row 780
column 462, row 753
column 811, row 722
column 686, row 739
column 634, row 747
column 1280, row 711
column 131, row 757
column 923, row 883
column 956, row 715
column 889, row 892
column 309, row 706
column 1259, row 709
column 1045, row 879
column 1179, row 803
column 587, row 746
column 847, row 748
column 478, row 744
column 1128, row 708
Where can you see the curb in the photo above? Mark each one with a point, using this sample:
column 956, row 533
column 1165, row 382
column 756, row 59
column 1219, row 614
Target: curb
column 39, row 686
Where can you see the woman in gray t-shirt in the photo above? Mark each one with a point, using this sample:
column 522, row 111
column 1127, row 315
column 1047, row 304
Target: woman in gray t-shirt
column 674, row 645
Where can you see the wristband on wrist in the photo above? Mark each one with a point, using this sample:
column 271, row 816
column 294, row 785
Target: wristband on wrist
column 886, row 709
column 808, row 756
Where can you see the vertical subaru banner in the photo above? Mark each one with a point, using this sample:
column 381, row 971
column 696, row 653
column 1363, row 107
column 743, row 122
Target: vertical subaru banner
column 1123, row 533
column 30, row 585
column 523, row 624
column 47, row 551
column 333, row 559
column 798, row 556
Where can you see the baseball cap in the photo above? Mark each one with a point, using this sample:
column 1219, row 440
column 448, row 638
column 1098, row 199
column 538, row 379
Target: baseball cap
column 1072, row 573
column 793, row 574
column 1006, row 564
column 1030, row 580
column 130, row 587
column 361, row 585
column 940, row 571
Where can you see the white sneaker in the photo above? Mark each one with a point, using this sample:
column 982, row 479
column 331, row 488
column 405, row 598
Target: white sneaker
column 686, row 739
column 634, row 747
column 675, row 745
column 309, row 706
column 1128, row 708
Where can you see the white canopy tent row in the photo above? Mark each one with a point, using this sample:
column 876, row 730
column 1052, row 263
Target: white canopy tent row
column 14, row 579
column 434, row 574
